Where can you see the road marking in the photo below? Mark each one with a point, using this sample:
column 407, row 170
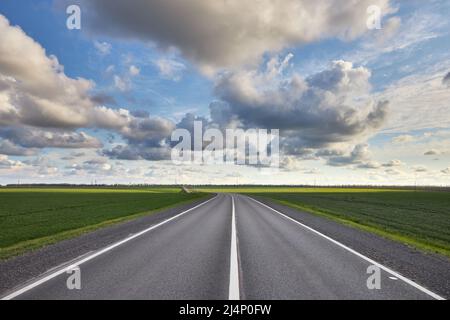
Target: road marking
column 96, row 254
column 388, row 270
column 70, row 262
column 233, row 292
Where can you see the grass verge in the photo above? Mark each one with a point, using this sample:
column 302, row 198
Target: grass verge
column 33, row 218
column 417, row 219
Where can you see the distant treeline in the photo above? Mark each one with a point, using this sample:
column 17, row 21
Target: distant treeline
column 65, row 185
column 68, row 185
column 353, row 186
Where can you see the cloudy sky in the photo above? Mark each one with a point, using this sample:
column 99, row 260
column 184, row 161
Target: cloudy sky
column 354, row 105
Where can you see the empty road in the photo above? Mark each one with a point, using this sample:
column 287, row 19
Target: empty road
column 229, row 247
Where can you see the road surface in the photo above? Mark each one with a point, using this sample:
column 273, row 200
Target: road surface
column 228, row 247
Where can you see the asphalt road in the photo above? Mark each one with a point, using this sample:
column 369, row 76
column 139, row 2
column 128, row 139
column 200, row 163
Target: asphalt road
column 229, row 247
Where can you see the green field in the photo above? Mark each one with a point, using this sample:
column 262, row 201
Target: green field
column 33, row 217
column 417, row 218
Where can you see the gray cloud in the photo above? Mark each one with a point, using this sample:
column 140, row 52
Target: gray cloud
column 103, row 99
column 147, row 131
column 130, row 152
column 393, row 163
column 227, row 33
column 420, row 169
column 432, row 153
column 359, row 155
column 140, row 113
column 37, row 138
column 369, row 165
column 330, row 153
column 96, row 166
column 332, row 106
column 43, row 166
column 73, row 156
column 10, row 149
column 446, row 80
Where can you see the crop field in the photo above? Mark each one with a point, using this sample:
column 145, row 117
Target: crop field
column 33, row 217
column 417, row 218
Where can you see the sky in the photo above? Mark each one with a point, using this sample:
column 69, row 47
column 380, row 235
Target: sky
column 354, row 104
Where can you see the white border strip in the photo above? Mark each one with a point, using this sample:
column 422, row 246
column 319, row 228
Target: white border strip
column 96, row 254
column 233, row 292
column 392, row 272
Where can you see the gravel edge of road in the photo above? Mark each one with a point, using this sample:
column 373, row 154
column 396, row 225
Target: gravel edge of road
column 427, row 269
column 18, row 270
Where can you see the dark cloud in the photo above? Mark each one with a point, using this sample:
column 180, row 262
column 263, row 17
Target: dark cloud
column 226, row 33
column 73, row 156
column 10, row 149
column 431, row 153
column 103, row 99
column 140, row 113
column 131, row 152
column 147, row 131
column 446, row 80
column 78, row 154
column 95, row 161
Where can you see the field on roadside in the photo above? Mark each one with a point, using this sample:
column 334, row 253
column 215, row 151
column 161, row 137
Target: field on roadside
column 417, row 218
column 33, row 217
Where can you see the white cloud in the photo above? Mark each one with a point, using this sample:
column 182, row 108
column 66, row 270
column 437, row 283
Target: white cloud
column 419, row 101
column 170, row 69
column 121, row 84
column 134, row 71
column 6, row 163
column 360, row 156
column 398, row 34
column 103, row 48
column 110, row 69
column 404, row 138
column 420, row 169
column 40, row 106
column 393, row 163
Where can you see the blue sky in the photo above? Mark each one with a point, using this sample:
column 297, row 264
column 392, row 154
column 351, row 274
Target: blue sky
column 77, row 52
column 136, row 65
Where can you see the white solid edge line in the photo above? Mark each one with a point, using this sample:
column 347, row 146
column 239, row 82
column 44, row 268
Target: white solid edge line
column 96, row 254
column 233, row 292
column 392, row 272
